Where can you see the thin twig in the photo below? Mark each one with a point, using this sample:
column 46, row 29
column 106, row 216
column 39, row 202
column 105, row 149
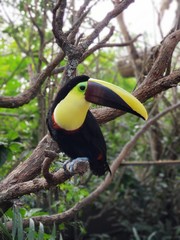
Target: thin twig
column 103, row 45
column 101, row 25
column 151, row 163
column 50, row 177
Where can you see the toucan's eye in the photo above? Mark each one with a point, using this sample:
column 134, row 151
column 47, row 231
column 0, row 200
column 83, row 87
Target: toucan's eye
column 82, row 87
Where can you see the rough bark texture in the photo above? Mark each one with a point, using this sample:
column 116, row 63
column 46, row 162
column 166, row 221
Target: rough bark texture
column 22, row 179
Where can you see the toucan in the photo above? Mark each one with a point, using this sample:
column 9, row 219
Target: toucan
column 73, row 126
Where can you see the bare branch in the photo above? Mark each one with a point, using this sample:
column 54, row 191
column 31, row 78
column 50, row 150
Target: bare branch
column 46, row 165
column 151, row 163
column 74, row 53
column 58, row 218
column 101, row 25
column 144, row 92
column 29, row 94
column 58, row 13
column 102, row 44
column 165, row 54
column 40, row 31
column 74, row 29
column 36, row 185
column 83, row 8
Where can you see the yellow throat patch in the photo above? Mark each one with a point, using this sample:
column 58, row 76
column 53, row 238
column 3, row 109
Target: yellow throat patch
column 71, row 112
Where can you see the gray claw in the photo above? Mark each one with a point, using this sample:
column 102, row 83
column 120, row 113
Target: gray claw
column 71, row 165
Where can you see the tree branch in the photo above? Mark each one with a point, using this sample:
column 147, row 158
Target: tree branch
column 165, row 54
column 143, row 93
column 151, row 163
column 31, row 92
column 102, row 44
column 58, row 218
column 36, row 185
column 101, row 25
column 30, row 168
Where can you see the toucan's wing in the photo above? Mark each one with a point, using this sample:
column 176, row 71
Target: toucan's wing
column 92, row 135
column 87, row 141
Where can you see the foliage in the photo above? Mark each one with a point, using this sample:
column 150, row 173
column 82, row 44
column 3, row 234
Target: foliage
column 142, row 203
column 31, row 233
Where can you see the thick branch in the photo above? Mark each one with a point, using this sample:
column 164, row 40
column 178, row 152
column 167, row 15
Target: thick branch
column 165, row 55
column 36, row 185
column 32, row 166
column 143, row 93
column 58, row 218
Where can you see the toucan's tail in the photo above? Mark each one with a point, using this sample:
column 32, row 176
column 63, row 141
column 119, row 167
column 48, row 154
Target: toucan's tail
column 99, row 168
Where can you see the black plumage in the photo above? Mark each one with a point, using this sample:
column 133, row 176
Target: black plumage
column 86, row 141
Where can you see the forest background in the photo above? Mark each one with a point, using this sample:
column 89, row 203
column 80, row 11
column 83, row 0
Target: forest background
column 43, row 45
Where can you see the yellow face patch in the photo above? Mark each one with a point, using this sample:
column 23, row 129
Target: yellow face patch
column 71, row 112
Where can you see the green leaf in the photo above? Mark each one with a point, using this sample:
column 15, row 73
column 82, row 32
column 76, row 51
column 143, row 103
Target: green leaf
column 17, row 222
column 14, row 223
column 53, row 236
column 20, row 227
column 41, row 231
column 31, row 233
column 4, row 232
column 136, row 235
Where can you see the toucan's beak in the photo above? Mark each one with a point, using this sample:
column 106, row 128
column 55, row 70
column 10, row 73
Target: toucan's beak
column 107, row 94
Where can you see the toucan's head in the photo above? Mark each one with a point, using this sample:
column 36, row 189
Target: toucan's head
column 77, row 95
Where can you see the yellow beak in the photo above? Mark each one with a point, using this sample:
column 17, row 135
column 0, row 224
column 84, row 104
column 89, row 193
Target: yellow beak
column 110, row 95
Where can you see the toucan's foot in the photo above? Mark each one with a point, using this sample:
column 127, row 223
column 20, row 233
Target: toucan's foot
column 78, row 165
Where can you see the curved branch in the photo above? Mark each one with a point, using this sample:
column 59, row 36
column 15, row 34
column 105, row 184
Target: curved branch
column 32, row 166
column 103, row 45
column 31, row 92
column 36, row 185
column 101, row 25
column 165, row 55
column 143, row 93
column 58, row 218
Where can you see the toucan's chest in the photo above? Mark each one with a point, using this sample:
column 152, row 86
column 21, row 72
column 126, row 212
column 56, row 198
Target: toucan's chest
column 87, row 139
column 70, row 112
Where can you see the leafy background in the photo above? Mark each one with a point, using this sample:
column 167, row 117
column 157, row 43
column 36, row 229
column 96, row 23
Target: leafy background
column 142, row 203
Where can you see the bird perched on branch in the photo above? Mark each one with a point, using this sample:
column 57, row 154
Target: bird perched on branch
column 73, row 126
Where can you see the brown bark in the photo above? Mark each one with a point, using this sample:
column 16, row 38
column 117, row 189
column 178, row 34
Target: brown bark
column 58, row 218
column 155, row 82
